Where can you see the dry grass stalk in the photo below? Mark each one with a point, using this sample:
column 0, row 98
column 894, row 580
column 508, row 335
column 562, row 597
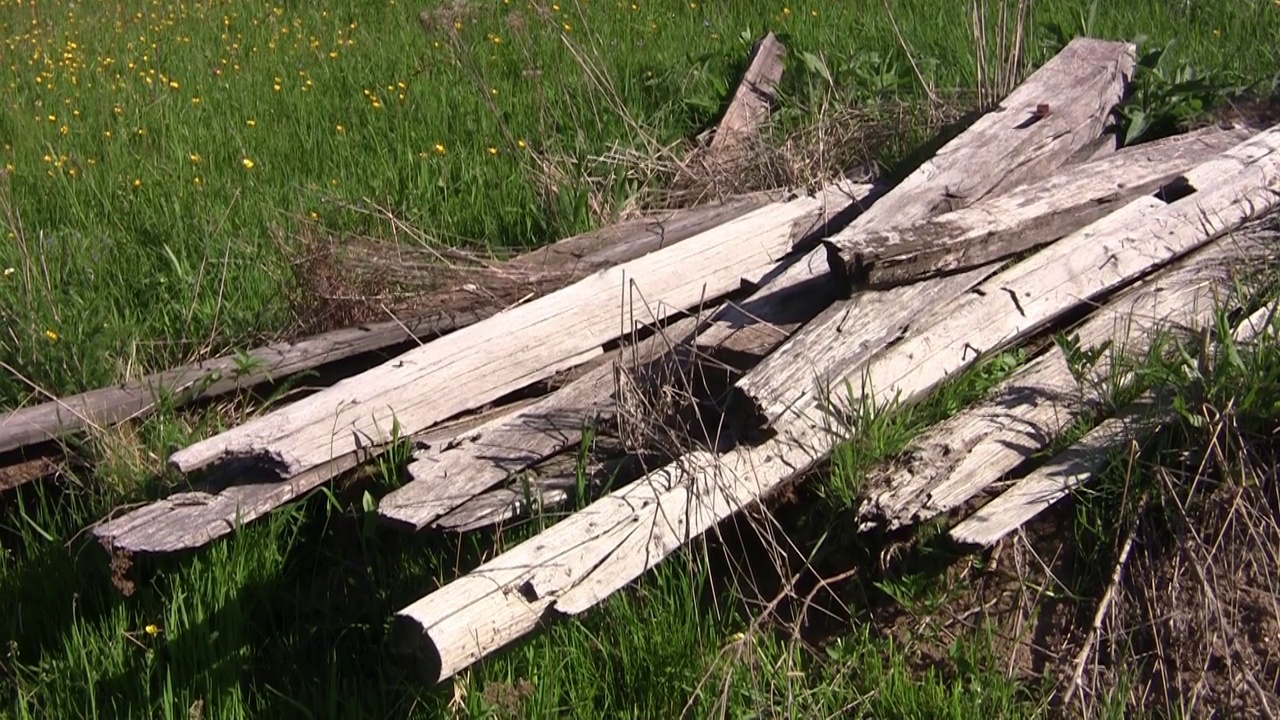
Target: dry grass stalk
column 1195, row 627
column 999, row 69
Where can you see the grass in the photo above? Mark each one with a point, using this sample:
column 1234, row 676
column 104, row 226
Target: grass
column 162, row 163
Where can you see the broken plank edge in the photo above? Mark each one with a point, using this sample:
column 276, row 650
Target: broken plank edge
column 1068, row 470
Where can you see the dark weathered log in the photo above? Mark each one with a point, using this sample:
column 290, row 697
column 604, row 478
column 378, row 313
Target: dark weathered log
column 210, row 378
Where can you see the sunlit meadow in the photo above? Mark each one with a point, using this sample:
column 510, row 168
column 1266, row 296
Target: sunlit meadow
column 159, row 158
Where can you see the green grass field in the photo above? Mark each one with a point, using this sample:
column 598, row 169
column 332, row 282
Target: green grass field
column 163, row 163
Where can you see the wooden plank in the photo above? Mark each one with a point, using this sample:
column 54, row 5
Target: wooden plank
column 524, row 344
column 549, row 267
column 193, row 518
column 183, row 527
column 956, row 459
column 753, row 100
column 576, row 563
column 972, row 167
column 447, row 476
column 1023, row 219
column 511, row 501
column 1057, row 478
column 999, row 152
column 1233, row 188
column 555, row 483
column 1005, row 148
column 56, row 419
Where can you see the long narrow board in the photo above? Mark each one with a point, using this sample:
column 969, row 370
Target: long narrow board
column 545, row 269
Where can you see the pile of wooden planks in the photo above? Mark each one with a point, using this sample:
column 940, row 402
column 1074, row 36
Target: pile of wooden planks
column 699, row 373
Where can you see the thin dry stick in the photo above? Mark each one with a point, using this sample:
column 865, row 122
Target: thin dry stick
column 49, row 395
column 928, row 88
column 1104, row 605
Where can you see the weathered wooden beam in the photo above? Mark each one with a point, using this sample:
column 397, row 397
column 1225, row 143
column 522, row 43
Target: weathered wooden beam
column 1006, row 148
column 524, row 344
column 545, row 269
column 593, row 553
column 107, row 406
column 1023, row 219
column 1001, row 151
column 753, row 100
column 551, row 485
column 446, row 476
column 1222, row 194
column 763, row 233
column 208, row 511
column 956, row 459
column 1066, row 471
column 853, row 331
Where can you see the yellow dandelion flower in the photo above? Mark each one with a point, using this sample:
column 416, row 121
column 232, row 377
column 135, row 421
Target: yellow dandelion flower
column 106, row 133
column 53, row 118
column 137, row 182
column 786, row 11
column 9, row 271
column 340, row 128
column 493, row 92
column 64, row 130
column 333, row 54
column 153, row 630
column 194, row 158
column 497, row 40
column 457, row 24
column 195, row 100
column 568, row 27
column 493, row 150
column 440, row 150
column 174, row 84
column 521, row 144
column 555, row 8
column 199, row 182
column 247, row 163
column 251, row 122
column 315, row 215
column 48, row 158
column 51, row 334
